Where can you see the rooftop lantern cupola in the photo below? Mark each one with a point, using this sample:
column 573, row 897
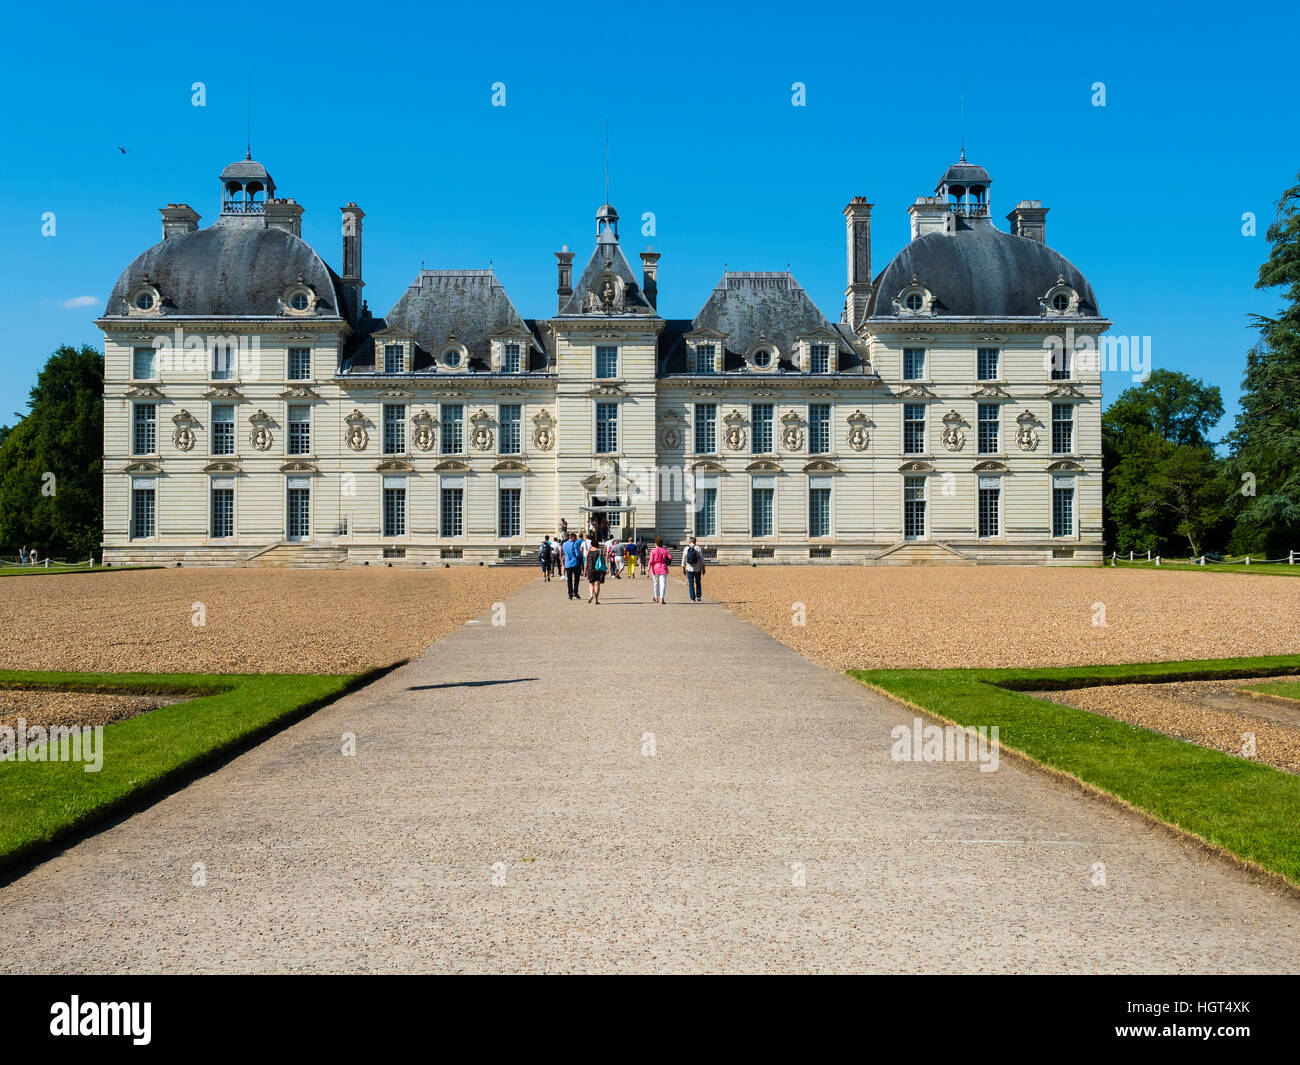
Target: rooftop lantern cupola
column 607, row 225
column 245, row 187
column 965, row 188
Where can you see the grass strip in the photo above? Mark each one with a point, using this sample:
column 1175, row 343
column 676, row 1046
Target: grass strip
column 1238, row 807
column 43, row 802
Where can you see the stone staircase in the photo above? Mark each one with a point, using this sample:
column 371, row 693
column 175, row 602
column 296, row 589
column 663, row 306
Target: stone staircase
column 921, row 553
column 297, row 556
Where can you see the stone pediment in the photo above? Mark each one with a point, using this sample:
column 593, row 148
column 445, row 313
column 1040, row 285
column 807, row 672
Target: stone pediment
column 991, row 466
column 395, row 466
column 223, row 392
column 451, row 466
column 1064, row 466
column 821, row 466
column 299, row 466
column 609, row 391
column 300, row 392
column 708, row 466
column 915, row 392
column 510, row 466
column 143, row 391
column 763, row 466
column 916, row 466
column 142, row 467
column 990, row 392
column 221, row 467
column 1064, row 391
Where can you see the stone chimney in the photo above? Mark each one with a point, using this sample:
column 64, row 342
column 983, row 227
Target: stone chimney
column 1029, row 220
column 857, row 223
column 284, row 214
column 351, row 278
column 179, row 219
column 650, row 276
column 931, row 214
column 564, row 262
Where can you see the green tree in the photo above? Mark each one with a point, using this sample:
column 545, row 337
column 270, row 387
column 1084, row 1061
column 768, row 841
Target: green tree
column 1264, row 468
column 1163, row 485
column 51, row 462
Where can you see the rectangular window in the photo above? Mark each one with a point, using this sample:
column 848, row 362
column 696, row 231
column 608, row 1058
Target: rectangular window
column 297, row 505
column 508, row 511
column 990, row 500
column 142, row 509
column 606, row 428
column 706, row 428
column 394, row 360
column 706, row 510
column 144, row 364
column 762, row 500
column 819, row 428
column 606, row 362
column 299, row 364
column 225, row 357
column 299, row 429
column 819, row 358
column 453, row 428
column 1062, row 507
column 819, row 508
column 913, row 364
column 144, row 429
column 760, row 416
column 704, row 356
column 394, row 428
column 1062, row 428
column 453, row 510
column 223, row 429
column 223, row 508
column 512, row 358
column 913, row 428
column 914, row 508
column 394, row 511
column 987, row 364
column 1060, row 363
column 989, row 442
column 511, row 419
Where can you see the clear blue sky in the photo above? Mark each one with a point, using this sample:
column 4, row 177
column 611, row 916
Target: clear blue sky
column 390, row 106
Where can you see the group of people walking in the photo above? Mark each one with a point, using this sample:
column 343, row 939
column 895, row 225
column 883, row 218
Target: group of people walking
column 594, row 559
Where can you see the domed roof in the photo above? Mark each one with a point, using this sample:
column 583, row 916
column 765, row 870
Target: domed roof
column 229, row 270
column 245, row 170
column 980, row 272
column 965, row 173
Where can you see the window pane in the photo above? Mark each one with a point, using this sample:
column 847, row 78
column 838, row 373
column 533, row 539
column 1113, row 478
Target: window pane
column 144, row 429
column 819, row 512
column 706, row 428
column 913, row 364
column 299, row 364
column 819, row 428
column 819, row 358
column 989, row 500
column 394, row 428
column 706, row 514
column 297, row 524
column 607, row 362
column 512, row 359
column 508, row 512
column 394, row 511
column 914, row 428
column 606, row 427
column 704, row 357
column 144, row 364
column 299, row 430
column 223, row 512
column 1062, row 428
column 988, row 429
column 987, row 364
column 511, row 415
column 914, row 507
column 1062, row 511
column 453, row 429
column 453, row 511
column 761, row 511
column 393, row 358
column 142, row 513
column 223, row 429
column 761, row 418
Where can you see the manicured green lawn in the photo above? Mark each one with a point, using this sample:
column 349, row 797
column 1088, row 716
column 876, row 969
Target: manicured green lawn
column 1274, row 569
column 1248, row 809
column 1283, row 689
column 41, row 571
column 43, row 801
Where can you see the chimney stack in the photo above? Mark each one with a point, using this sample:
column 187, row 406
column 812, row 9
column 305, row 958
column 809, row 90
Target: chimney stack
column 565, row 264
column 650, row 276
column 857, row 222
column 1029, row 220
column 352, row 283
column 179, row 219
column 932, row 214
column 284, row 214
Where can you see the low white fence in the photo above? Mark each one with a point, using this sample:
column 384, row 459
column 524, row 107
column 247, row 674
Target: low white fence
column 1290, row 560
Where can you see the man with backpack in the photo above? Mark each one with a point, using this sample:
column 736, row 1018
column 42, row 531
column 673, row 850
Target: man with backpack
column 544, row 556
column 693, row 567
column 571, row 552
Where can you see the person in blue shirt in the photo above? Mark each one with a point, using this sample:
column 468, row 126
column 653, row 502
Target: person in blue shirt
column 572, row 552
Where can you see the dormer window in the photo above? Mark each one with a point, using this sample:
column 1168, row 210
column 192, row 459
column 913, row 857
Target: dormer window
column 1061, row 299
column 299, row 300
column 511, row 357
column 915, row 301
column 704, row 356
column 394, row 358
column 146, row 299
column 763, row 358
column 453, row 357
column 819, row 358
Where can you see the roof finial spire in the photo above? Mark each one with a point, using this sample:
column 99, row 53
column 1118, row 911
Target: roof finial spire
column 248, row 152
column 607, row 158
column 963, row 117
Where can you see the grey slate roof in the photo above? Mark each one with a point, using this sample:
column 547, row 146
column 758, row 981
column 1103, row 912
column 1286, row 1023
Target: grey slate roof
column 965, row 174
column 229, row 270
column 979, row 272
column 469, row 305
column 246, row 170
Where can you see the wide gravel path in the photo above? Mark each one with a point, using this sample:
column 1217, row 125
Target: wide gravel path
column 629, row 788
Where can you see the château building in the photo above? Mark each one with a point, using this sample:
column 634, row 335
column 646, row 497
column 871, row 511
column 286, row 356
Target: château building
column 256, row 410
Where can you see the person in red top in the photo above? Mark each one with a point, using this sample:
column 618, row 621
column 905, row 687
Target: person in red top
column 660, row 559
